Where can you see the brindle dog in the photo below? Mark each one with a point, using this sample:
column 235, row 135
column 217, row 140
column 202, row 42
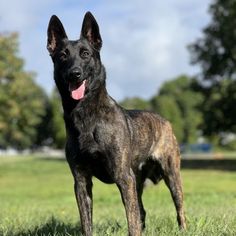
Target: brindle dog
column 104, row 140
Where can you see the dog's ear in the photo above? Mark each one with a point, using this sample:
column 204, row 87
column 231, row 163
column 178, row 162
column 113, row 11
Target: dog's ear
column 90, row 31
column 56, row 34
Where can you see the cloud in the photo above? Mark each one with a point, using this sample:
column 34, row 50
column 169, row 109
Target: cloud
column 144, row 42
column 149, row 47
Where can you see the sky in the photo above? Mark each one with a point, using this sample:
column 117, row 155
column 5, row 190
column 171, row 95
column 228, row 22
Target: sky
column 144, row 42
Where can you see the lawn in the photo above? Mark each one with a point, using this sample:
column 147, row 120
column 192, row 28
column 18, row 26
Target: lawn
column 36, row 198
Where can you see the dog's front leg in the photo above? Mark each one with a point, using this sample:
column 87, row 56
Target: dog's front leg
column 83, row 194
column 127, row 186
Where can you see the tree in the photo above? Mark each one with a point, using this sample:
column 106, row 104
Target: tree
column 219, row 108
column 216, row 51
column 22, row 102
column 44, row 128
column 135, row 103
column 57, row 122
column 167, row 107
column 178, row 102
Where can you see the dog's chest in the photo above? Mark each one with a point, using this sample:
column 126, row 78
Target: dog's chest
column 94, row 134
column 95, row 126
column 94, row 145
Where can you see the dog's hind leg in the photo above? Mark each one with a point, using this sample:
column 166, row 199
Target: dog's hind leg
column 140, row 185
column 171, row 175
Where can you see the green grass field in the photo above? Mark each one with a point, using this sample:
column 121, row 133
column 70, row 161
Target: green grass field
column 36, row 198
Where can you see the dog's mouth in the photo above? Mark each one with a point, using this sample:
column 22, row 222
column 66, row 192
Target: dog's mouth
column 77, row 90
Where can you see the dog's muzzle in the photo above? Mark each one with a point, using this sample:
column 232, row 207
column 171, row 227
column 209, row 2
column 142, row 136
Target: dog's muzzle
column 75, row 75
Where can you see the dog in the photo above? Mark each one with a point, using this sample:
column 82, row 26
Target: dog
column 115, row 145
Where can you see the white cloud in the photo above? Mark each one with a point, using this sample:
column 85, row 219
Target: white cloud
column 149, row 47
column 144, row 42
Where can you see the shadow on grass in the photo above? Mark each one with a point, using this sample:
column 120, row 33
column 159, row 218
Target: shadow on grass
column 51, row 228
column 56, row 227
column 45, row 158
column 206, row 164
column 223, row 164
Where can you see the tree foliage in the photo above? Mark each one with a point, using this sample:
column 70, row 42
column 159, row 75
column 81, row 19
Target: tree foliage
column 216, row 50
column 135, row 103
column 167, row 107
column 218, row 107
column 57, row 122
column 22, row 102
column 178, row 102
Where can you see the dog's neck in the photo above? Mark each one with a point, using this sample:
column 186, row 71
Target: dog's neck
column 94, row 106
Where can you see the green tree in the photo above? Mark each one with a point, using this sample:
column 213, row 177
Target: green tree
column 178, row 102
column 57, row 122
column 215, row 51
column 22, row 102
column 219, row 108
column 44, row 128
column 135, row 103
column 168, row 108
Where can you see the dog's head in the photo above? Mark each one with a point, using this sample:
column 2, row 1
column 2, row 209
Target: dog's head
column 76, row 62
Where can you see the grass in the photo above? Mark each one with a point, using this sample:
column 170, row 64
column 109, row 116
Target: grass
column 36, row 198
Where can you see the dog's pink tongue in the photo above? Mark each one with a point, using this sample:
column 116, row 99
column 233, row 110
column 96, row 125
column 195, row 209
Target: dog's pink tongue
column 78, row 93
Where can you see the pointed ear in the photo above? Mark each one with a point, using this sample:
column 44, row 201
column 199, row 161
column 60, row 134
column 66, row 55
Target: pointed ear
column 56, row 34
column 90, row 31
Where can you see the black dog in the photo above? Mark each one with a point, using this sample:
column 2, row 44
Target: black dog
column 103, row 140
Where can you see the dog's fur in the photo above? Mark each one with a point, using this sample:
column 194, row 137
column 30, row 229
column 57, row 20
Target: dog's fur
column 103, row 140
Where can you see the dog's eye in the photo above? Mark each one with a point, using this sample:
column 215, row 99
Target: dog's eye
column 84, row 54
column 64, row 55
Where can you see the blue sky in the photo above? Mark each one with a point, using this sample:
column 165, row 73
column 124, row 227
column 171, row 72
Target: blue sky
column 144, row 42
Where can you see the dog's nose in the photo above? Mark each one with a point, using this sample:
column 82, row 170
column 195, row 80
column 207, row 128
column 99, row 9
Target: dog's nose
column 75, row 74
